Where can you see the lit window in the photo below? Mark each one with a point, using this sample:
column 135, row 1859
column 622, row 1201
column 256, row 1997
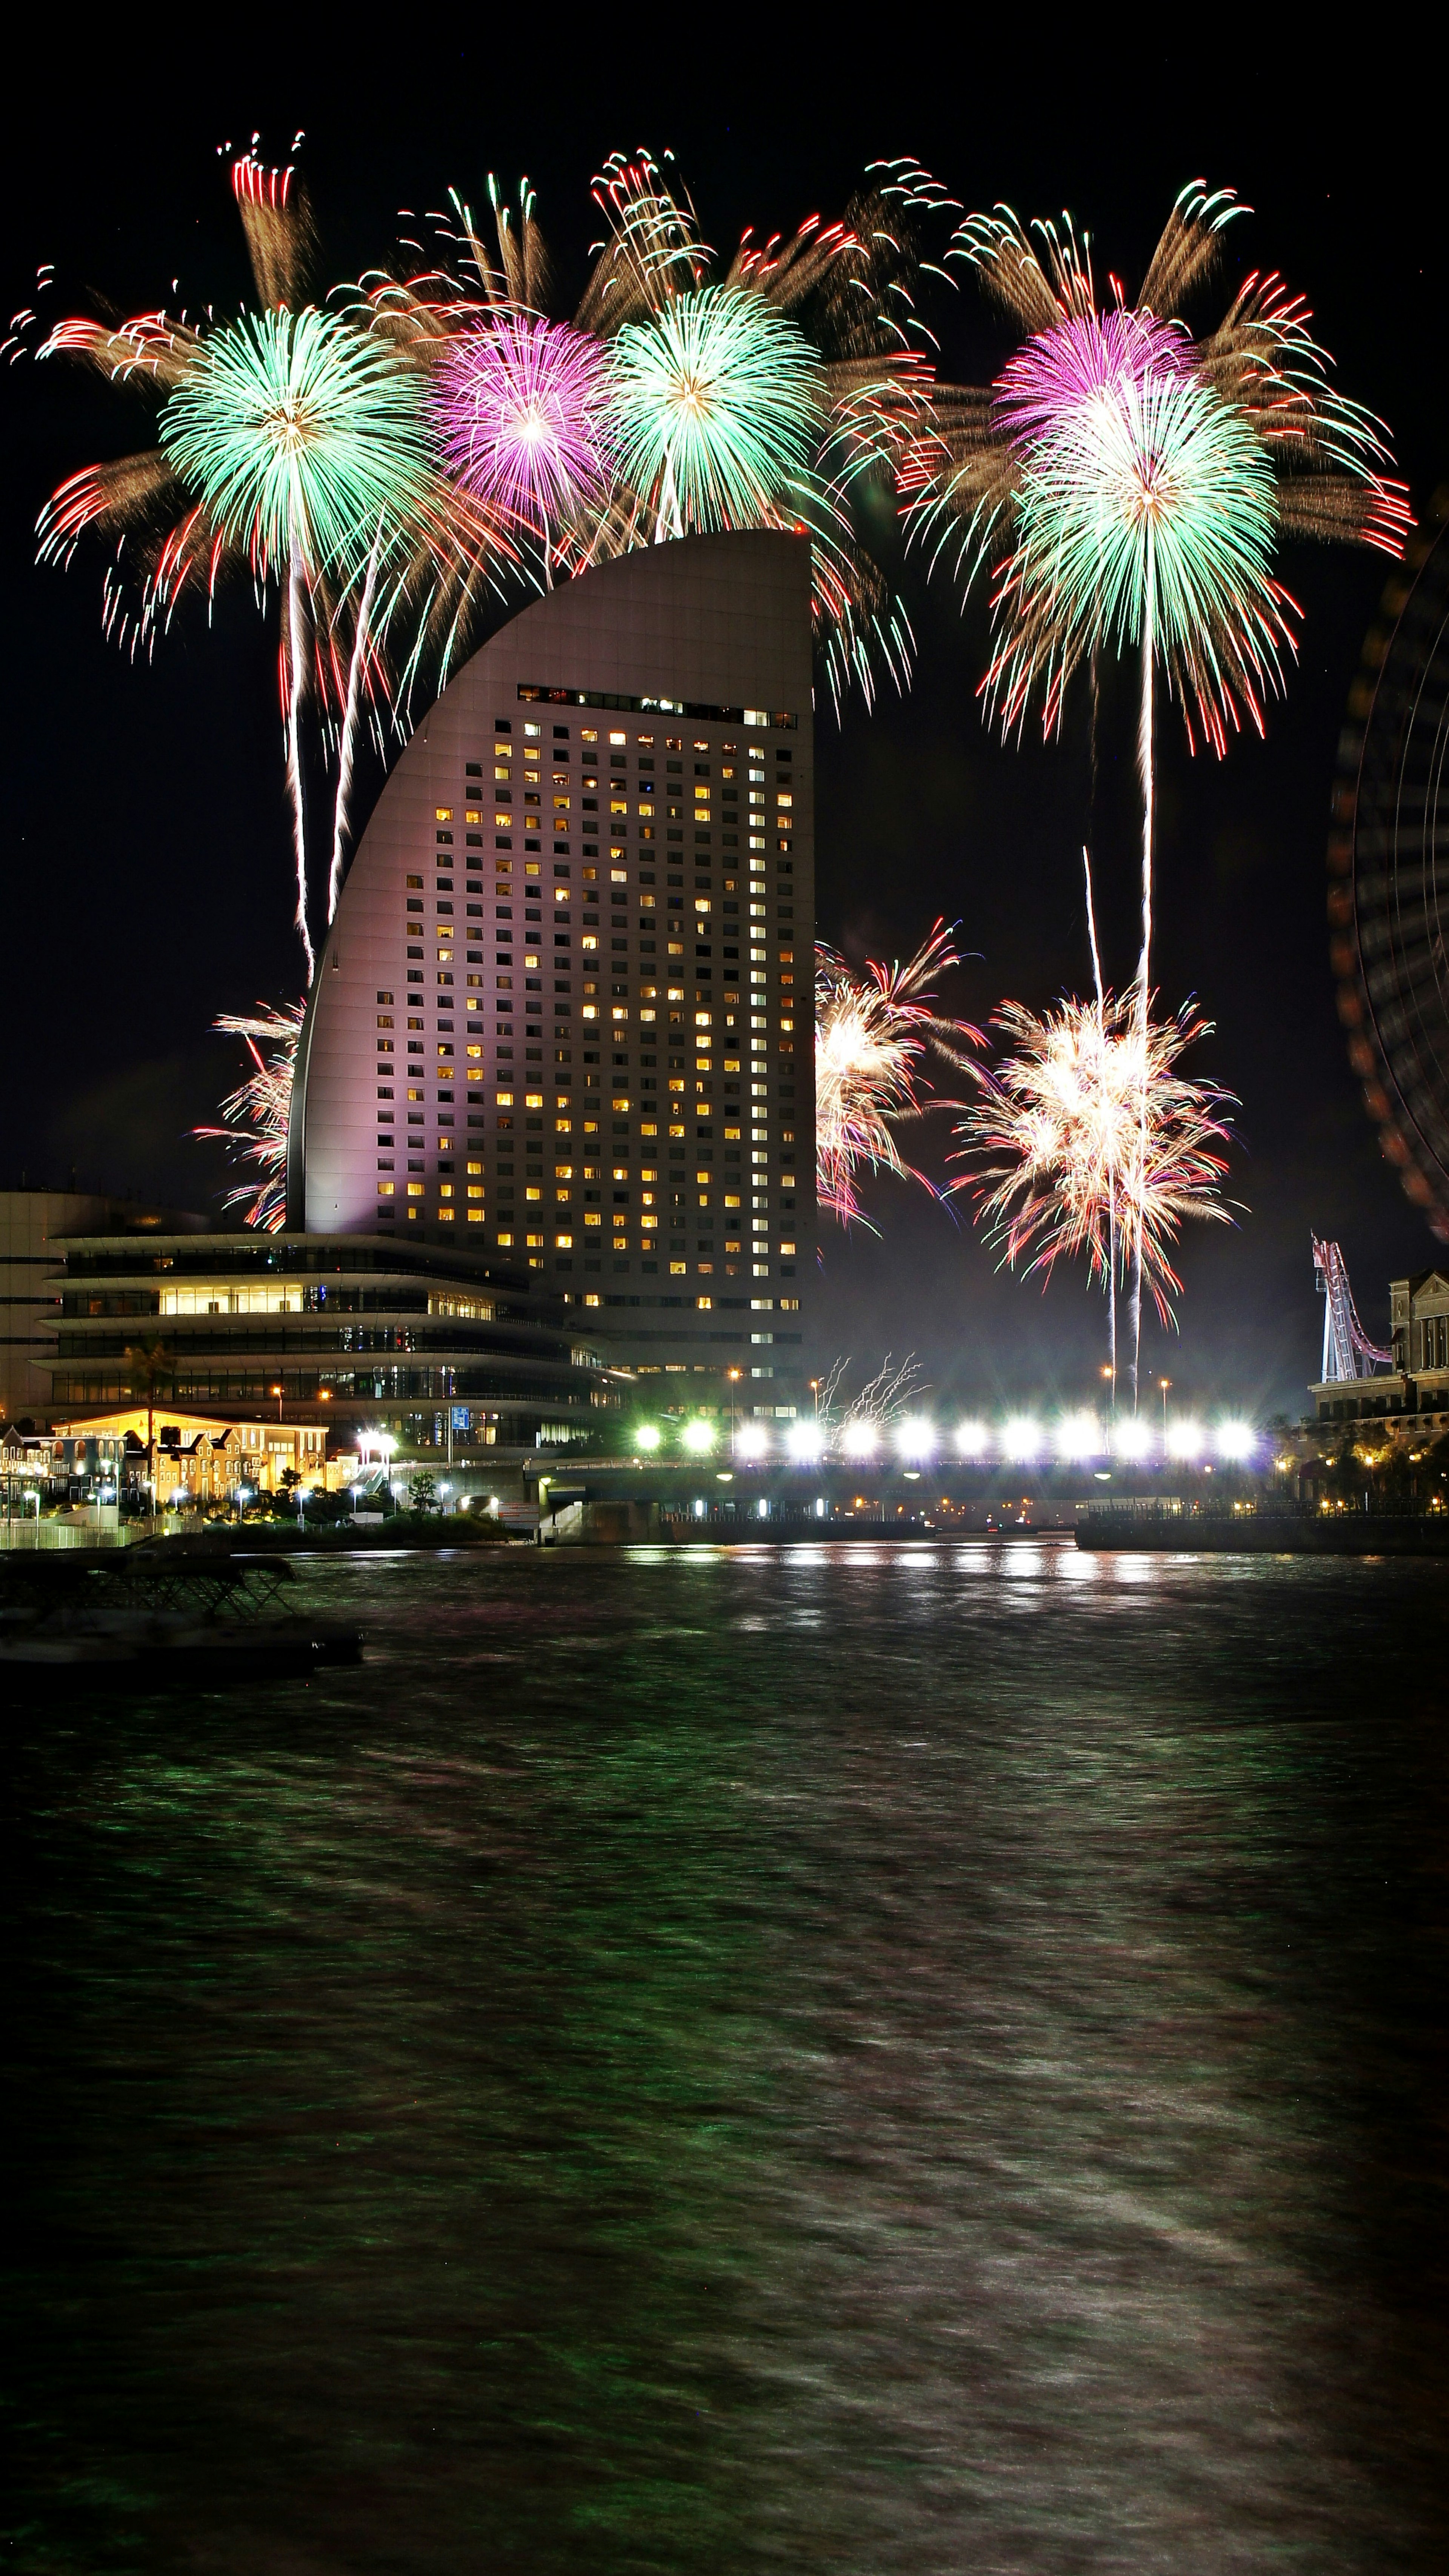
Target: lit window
column 415, row 1189
column 564, row 1242
column 505, row 1239
column 475, row 1216
column 505, row 1099
column 385, row 1189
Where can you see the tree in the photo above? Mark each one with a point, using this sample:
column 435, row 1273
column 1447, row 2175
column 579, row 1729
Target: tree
column 148, row 1364
column 424, row 1495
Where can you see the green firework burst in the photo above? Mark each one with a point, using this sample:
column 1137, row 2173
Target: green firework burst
column 302, row 435
column 716, row 405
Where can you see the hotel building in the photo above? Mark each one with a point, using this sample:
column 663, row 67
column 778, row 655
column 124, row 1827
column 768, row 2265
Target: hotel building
column 564, row 1017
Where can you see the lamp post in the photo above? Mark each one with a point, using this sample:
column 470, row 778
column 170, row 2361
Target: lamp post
column 1164, row 1383
column 1110, row 1374
column 733, row 1375
column 277, row 1392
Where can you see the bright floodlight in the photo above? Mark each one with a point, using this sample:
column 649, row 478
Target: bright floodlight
column 915, row 1437
column 753, row 1440
column 647, row 1436
column 1234, row 1440
column 1021, row 1438
column 1078, row 1435
column 972, row 1439
column 1185, row 1439
column 805, row 1440
column 699, row 1436
column 860, row 1440
column 1131, row 1438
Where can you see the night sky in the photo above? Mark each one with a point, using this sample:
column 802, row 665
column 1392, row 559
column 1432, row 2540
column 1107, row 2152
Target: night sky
column 145, row 831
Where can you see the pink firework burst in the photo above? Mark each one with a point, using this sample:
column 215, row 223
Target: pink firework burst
column 1085, row 359
column 519, row 407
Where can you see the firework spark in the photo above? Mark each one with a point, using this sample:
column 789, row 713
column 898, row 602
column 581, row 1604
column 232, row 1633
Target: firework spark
column 256, row 1115
column 1087, row 1139
column 873, row 1036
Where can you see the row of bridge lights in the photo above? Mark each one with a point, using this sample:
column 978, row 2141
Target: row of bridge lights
column 1021, row 1440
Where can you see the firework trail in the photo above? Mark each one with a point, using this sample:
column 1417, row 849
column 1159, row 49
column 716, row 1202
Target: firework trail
column 1087, row 1139
column 874, row 1034
column 255, row 1117
column 857, row 1424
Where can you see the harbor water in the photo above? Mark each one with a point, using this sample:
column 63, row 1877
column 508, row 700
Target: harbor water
column 922, row 2058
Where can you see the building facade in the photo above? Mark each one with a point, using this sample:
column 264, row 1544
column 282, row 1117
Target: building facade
column 1415, row 1394
column 565, row 1011
column 345, row 1336
column 31, row 1222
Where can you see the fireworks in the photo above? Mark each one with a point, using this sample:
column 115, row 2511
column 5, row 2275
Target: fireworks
column 300, row 435
column 1144, row 517
column 1087, row 1139
column 1130, row 482
column 873, row 1033
column 1091, row 390
column 519, row 413
column 763, row 392
column 255, row 1117
column 294, row 446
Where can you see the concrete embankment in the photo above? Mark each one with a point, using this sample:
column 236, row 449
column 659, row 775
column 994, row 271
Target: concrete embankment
column 1266, row 1534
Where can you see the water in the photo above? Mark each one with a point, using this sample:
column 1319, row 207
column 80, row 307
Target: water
column 857, row 2059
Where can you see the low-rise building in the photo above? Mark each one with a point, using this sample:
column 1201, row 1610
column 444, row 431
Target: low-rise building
column 355, row 1340
column 187, row 1457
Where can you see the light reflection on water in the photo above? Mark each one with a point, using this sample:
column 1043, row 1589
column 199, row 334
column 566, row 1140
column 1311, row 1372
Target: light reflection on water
column 864, row 2056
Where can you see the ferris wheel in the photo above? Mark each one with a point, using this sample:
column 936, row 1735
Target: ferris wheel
column 1388, row 862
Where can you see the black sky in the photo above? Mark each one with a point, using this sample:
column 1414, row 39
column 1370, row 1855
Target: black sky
column 146, row 840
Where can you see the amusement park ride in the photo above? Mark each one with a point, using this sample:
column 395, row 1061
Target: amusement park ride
column 1347, row 1350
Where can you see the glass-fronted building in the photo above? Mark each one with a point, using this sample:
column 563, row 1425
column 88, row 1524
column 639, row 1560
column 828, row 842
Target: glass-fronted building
column 415, row 1340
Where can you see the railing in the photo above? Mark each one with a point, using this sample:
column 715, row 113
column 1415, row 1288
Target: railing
column 1272, row 1507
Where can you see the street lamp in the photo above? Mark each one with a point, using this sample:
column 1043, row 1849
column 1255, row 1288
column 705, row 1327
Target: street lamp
column 734, row 1375
column 277, row 1392
column 1164, row 1383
